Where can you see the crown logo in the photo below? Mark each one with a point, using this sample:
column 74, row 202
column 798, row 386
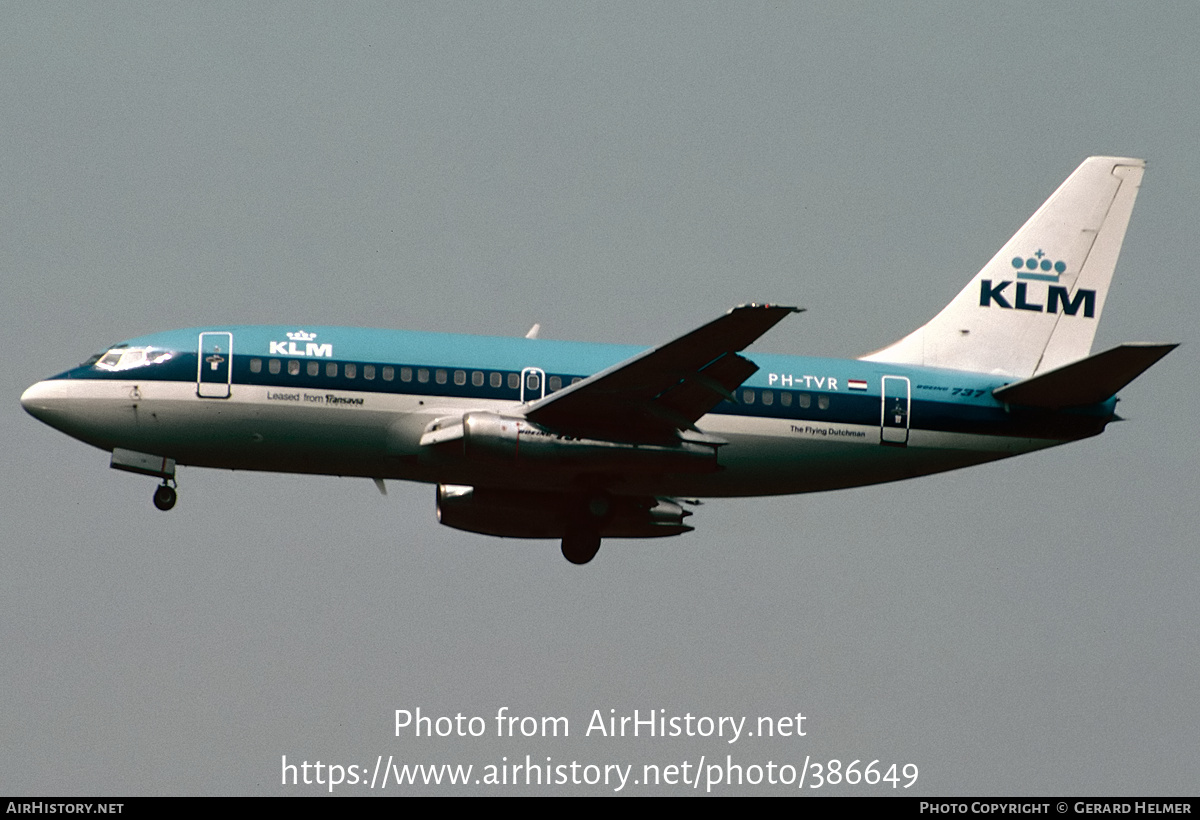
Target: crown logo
column 1039, row 267
column 301, row 336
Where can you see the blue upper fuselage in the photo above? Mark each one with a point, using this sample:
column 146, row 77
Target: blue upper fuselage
column 442, row 364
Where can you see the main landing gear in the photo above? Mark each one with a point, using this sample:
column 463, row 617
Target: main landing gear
column 581, row 541
column 580, row 545
column 165, row 496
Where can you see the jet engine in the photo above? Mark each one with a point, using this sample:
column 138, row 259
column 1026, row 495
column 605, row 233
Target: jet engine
column 503, row 439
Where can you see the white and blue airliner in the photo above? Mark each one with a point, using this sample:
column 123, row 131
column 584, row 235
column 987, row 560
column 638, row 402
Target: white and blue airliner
column 534, row 438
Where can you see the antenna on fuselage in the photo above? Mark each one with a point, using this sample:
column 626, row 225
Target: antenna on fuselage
column 534, row 331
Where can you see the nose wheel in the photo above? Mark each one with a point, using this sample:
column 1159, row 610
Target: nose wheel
column 165, row 496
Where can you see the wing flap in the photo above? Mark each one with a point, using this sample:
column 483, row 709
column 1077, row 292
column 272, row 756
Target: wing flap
column 700, row 392
column 657, row 393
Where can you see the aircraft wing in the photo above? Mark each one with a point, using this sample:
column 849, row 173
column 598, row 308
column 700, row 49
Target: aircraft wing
column 656, row 394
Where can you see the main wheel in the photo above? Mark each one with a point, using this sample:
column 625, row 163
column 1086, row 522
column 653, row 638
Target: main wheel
column 580, row 546
column 164, row 497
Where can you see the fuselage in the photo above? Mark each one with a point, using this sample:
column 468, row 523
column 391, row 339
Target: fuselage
column 356, row 402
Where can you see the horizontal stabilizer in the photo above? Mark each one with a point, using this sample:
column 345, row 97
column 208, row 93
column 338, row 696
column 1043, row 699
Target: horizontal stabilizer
column 1087, row 381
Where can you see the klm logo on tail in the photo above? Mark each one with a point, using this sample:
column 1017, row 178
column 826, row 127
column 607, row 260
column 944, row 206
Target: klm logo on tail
column 1028, row 268
column 1054, row 299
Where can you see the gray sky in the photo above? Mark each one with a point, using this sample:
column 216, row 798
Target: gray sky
column 616, row 172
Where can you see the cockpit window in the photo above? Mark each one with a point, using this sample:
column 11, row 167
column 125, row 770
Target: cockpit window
column 127, row 358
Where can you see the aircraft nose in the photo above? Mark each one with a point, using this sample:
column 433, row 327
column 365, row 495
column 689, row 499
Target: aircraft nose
column 46, row 402
column 34, row 400
column 85, row 411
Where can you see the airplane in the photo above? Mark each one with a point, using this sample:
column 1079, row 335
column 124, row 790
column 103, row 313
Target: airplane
column 537, row 438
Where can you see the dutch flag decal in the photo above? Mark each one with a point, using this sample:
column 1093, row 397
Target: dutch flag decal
column 857, row 384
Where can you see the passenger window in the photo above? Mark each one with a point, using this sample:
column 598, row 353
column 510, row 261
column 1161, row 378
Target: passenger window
column 256, row 365
column 768, row 397
column 785, row 399
column 351, row 370
column 406, row 374
column 823, row 402
column 274, row 365
column 514, row 381
column 497, row 379
column 460, row 377
column 747, row 396
column 555, row 383
column 804, row 400
column 368, row 372
column 532, row 382
column 389, row 373
column 577, row 380
column 423, row 375
column 331, row 369
column 439, row 376
column 293, row 367
column 313, row 368
column 477, row 378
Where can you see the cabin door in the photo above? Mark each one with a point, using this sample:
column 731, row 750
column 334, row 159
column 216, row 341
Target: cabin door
column 896, row 402
column 214, row 368
column 533, row 384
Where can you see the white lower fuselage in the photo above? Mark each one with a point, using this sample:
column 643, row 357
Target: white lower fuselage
column 376, row 435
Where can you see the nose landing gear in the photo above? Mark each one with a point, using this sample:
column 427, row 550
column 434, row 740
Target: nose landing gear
column 165, row 496
column 162, row 467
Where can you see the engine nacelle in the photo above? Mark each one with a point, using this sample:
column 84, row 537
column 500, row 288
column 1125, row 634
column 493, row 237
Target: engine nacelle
column 528, row 514
column 506, row 440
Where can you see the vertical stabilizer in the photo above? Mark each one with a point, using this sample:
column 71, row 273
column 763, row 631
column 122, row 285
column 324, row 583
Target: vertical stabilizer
column 1034, row 307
